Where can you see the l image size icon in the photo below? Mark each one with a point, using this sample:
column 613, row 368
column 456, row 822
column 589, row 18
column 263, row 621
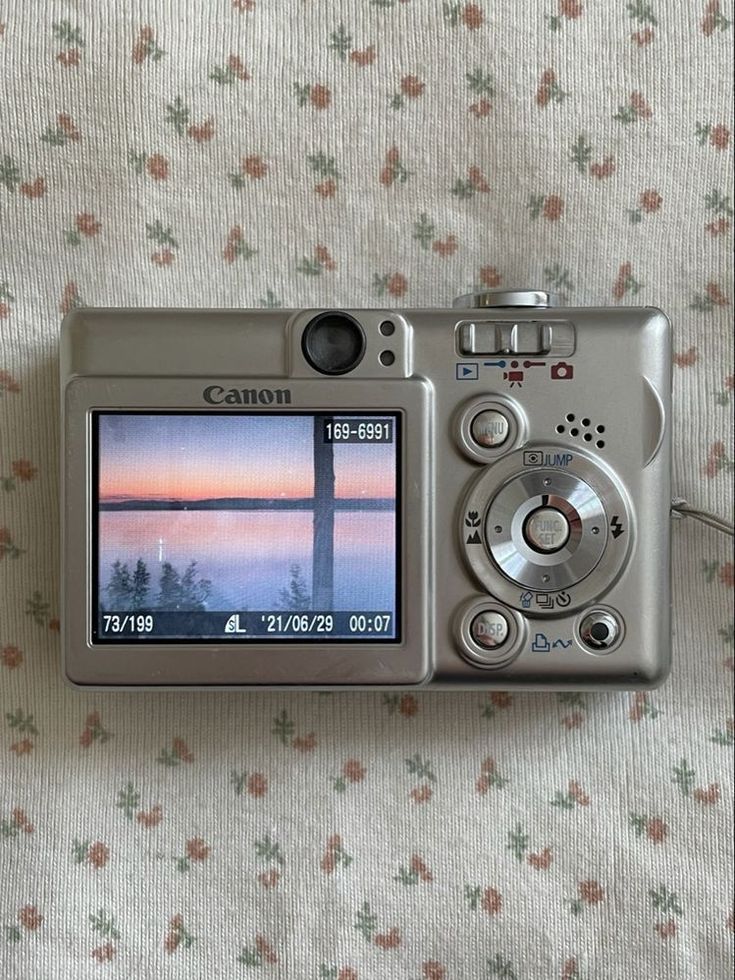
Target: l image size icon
column 233, row 624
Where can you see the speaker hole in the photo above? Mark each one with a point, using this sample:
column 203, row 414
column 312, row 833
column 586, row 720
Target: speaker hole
column 600, row 443
column 588, row 437
column 570, row 417
column 600, row 428
column 585, row 422
column 574, row 432
column 560, row 429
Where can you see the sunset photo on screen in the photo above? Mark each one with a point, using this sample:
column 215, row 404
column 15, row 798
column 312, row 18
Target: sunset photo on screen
column 237, row 512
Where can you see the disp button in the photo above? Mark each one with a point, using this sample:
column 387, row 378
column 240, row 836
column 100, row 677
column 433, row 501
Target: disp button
column 489, row 629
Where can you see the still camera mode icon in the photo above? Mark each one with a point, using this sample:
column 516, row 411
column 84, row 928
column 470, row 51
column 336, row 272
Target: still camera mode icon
column 562, row 371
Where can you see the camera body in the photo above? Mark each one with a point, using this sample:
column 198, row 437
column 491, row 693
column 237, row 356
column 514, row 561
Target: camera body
column 474, row 497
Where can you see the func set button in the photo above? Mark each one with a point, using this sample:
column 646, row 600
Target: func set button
column 546, row 530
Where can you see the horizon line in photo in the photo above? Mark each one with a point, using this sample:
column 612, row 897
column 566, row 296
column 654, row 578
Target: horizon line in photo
column 124, row 503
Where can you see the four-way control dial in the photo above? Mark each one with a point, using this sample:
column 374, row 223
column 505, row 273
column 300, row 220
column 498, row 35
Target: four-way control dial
column 546, row 532
column 545, row 529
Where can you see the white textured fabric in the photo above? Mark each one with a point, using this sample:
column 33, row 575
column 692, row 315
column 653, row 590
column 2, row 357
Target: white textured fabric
column 243, row 153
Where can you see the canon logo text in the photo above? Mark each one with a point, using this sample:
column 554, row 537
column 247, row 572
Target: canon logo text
column 217, row 395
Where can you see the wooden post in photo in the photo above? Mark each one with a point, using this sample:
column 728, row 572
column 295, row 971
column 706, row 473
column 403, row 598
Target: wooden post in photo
column 322, row 578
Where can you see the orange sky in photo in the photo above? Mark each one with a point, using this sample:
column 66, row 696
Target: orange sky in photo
column 181, row 483
column 199, row 458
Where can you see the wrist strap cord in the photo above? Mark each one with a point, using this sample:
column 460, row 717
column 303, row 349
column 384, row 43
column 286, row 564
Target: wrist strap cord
column 680, row 508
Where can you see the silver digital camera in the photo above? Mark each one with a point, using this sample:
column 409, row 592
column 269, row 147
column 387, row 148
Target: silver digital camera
column 467, row 498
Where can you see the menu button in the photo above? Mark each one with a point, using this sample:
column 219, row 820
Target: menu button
column 489, row 428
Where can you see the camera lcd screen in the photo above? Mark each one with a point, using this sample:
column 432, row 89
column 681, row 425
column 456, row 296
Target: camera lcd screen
column 246, row 527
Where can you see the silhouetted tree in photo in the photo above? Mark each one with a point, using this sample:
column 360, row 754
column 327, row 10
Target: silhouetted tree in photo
column 140, row 590
column 186, row 593
column 170, row 593
column 195, row 590
column 119, row 589
column 296, row 595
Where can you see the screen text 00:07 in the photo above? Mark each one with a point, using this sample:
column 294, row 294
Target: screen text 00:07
column 130, row 623
column 359, row 623
column 380, row 431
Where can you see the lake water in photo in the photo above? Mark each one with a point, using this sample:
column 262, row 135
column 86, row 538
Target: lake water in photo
column 247, row 554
